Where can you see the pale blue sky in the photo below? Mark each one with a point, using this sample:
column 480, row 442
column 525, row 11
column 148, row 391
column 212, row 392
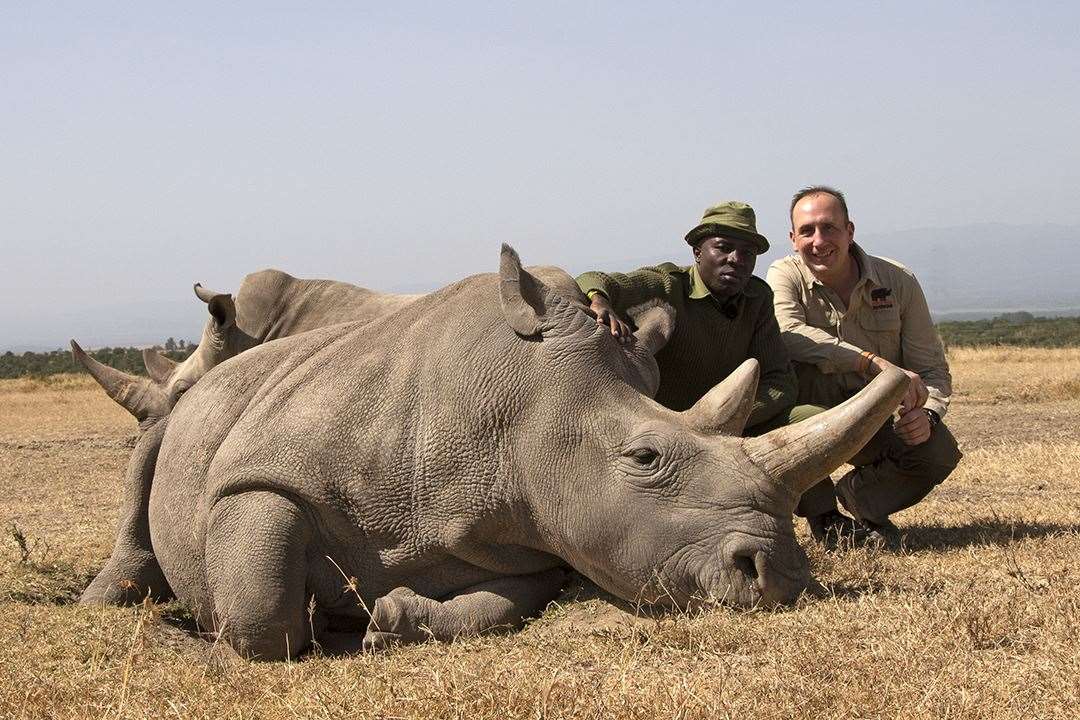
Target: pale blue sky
column 146, row 146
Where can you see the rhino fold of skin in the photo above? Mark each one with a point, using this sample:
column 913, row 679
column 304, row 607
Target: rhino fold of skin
column 269, row 305
column 454, row 455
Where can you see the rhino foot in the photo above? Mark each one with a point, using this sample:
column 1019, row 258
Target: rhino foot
column 127, row 579
column 402, row 617
column 398, row 618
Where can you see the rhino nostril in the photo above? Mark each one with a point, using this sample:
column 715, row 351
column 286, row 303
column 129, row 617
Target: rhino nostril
column 745, row 565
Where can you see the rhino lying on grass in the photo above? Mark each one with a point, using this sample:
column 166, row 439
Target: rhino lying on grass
column 455, row 455
column 269, row 304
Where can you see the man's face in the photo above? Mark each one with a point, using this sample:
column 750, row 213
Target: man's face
column 725, row 264
column 820, row 233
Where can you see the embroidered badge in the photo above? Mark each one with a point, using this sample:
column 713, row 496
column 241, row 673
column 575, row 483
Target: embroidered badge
column 881, row 298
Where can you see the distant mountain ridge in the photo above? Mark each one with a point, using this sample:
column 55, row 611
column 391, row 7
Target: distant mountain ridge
column 968, row 272
column 989, row 266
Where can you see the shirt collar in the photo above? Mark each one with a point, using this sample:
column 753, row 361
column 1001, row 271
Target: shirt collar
column 867, row 269
column 699, row 290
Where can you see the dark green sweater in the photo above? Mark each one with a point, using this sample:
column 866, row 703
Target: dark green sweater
column 707, row 345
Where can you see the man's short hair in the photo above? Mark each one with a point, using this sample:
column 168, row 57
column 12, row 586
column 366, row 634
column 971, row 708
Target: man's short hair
column 819, row 190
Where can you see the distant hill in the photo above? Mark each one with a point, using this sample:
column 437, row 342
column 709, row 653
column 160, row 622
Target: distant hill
column 973, row 272
column 969, row 272
column 989, row 267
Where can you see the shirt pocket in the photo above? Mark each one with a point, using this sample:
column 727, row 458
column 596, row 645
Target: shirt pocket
column 820, row 315
column 881, row 329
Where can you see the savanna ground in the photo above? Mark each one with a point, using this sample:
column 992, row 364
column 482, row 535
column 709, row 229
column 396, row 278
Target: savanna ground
column 978, row 617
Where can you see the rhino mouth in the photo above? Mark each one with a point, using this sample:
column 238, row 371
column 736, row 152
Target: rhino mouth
column 745, row 572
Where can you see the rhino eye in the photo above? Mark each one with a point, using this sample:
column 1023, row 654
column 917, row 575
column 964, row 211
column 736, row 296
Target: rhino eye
column 644, row 456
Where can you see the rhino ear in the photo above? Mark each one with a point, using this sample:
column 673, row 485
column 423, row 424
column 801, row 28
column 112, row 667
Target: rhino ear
column 521, row 294
column 725, row 409
column 158, row 367
column 655, row 323
column 220, row 305
column 223, row 310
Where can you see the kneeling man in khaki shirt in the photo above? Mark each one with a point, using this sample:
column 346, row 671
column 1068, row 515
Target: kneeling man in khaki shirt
column 844, row 316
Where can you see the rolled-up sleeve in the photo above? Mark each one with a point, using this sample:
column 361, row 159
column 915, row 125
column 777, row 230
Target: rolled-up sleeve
column 921, row 349
column 804, row 342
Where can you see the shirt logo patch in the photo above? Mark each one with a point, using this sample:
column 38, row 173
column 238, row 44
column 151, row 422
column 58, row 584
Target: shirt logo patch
column 881, row 298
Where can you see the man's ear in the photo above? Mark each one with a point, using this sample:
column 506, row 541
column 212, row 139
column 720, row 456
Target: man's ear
column 697, row 252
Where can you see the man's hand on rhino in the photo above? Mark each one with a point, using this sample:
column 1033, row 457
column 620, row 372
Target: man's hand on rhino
column 913, row 427
column 916, row 394
column 606, row 315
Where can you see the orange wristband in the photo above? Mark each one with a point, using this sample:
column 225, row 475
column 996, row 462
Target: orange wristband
column 867, row 358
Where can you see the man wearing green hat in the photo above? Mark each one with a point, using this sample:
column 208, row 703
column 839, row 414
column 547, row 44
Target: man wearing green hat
column 723, row 315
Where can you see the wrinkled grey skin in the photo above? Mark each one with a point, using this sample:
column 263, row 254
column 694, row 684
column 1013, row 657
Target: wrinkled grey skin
column 453, row 456
column 270, row 304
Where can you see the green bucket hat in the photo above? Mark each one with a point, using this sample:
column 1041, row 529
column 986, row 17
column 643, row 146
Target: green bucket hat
column 729, row 219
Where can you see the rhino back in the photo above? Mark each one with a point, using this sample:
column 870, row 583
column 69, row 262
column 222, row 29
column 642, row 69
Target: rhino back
column 389, row 434
column 272, row 304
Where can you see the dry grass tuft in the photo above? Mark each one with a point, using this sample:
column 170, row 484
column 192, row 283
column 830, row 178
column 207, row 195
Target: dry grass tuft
column 62, row 382
column 976, row 617
column 38, row 575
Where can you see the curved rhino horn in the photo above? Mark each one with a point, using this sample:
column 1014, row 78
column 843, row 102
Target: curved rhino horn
column 725, row 409
column 137, row 395
column 800, row 455
column 204, row 294
column 158, row 367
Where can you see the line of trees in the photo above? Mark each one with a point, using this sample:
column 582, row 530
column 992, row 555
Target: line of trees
column 31, row 364
column 1020, row 329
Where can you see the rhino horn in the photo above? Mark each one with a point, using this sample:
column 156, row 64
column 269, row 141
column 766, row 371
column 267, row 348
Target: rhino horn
column 158, row 367
column 521, row 294
column 800, row 455
column 725, row 409
column 137, row 395
column 205, row 294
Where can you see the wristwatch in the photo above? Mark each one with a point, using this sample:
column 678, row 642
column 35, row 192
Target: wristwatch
column 933, row 417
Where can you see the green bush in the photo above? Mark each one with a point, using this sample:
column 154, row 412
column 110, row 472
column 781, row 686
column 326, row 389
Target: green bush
column 31, row 364
column 1017, row 329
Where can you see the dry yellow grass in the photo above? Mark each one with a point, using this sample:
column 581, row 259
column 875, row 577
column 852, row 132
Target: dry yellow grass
column 979, row 616
column 1017, row 374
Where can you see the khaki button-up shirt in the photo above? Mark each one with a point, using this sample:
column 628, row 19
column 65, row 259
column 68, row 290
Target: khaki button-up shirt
column 888, row 316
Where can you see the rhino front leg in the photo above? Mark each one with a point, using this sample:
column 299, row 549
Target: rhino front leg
column 132, row 571
column 256, row 568
column 402, row 616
